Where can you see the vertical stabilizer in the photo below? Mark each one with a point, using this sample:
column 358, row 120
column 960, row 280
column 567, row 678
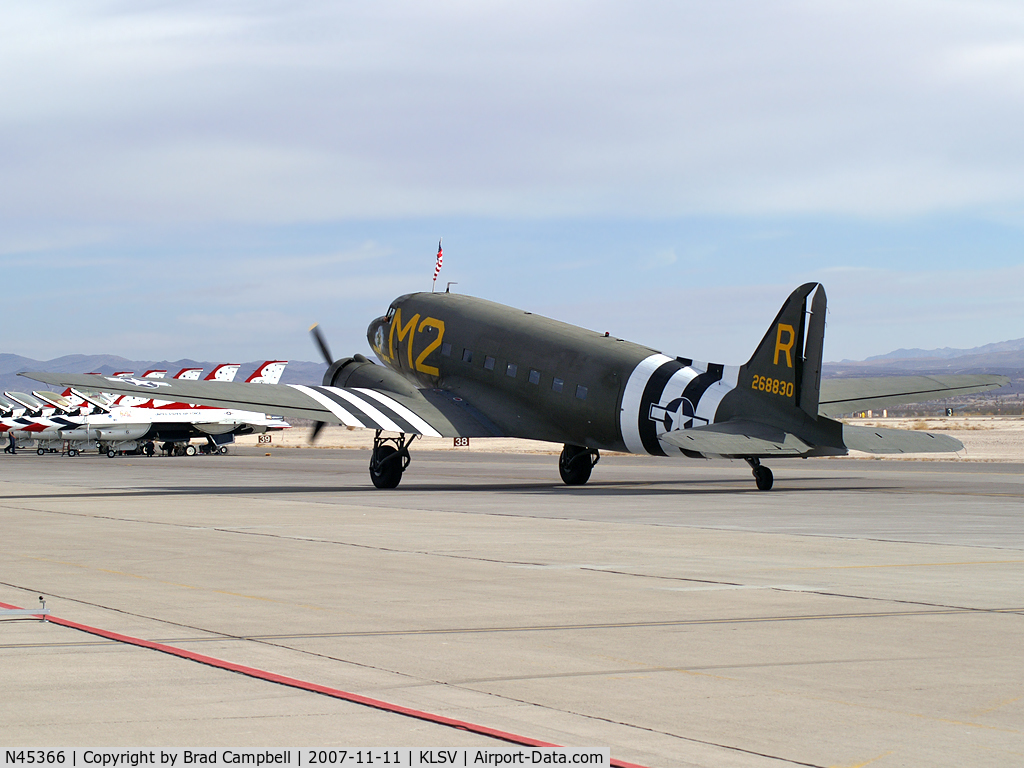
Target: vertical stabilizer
column 785, row 369
column 268, row 373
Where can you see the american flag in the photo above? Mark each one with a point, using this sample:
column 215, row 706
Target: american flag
column 440, row 260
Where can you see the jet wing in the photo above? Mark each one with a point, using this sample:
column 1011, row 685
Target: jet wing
column 433, row 413
column 737, row 438
column 839, row 396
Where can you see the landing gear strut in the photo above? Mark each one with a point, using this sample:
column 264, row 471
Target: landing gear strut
column 762, row 475
column 575, row 464
column 388, row 462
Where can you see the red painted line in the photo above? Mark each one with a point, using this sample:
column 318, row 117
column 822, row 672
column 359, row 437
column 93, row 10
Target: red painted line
column 292, row 682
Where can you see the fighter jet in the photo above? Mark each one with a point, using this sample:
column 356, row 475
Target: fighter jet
column 117, row 423
column 462, row 367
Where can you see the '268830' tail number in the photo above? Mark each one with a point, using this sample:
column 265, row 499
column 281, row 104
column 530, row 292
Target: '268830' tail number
column 772, row 386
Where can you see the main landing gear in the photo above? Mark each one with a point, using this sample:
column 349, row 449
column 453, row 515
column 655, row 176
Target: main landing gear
column 762, row 475
column 388, row 462
column 576, row 463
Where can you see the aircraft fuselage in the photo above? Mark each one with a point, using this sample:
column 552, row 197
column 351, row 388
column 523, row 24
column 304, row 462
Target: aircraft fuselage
column 539, row 378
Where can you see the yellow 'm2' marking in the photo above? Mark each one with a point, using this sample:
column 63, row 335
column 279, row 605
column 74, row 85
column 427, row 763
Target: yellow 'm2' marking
column 410, row 327
column 437, row 325
column 411, row 330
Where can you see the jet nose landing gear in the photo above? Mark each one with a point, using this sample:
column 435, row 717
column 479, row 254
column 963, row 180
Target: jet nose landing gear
column 762, row 475
column 388, row 462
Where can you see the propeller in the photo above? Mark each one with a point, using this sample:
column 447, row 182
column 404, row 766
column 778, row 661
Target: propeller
column 321, row 344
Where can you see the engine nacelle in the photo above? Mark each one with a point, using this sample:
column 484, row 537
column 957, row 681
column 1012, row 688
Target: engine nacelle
column 358, row 371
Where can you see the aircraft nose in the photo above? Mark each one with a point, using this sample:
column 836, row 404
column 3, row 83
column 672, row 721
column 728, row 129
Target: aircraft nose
column 376, row 334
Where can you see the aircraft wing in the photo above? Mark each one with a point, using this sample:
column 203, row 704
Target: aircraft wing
column 737, row 438
column 433, row 413
column 839, row 396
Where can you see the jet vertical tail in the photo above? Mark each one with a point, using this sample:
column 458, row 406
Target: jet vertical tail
column 785, row 369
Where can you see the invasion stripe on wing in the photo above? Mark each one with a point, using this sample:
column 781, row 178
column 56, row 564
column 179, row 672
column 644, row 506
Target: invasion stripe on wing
column 377, row 419
column 413, row 418
column 404, row 426
column 329, row 404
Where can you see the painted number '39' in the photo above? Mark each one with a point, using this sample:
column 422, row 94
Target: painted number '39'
column 772, row 386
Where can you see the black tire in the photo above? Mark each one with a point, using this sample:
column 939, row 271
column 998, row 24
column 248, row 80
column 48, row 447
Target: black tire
column 111, row 453
column 385, row 467
column 41, row 451
column 575, row 465
column 223, row 450
column 72, row 452
column 764, row 478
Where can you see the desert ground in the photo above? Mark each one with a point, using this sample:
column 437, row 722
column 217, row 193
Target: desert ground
column 985, row 438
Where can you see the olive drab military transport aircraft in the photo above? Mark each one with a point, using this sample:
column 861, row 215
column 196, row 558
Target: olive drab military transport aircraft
column 462, row 367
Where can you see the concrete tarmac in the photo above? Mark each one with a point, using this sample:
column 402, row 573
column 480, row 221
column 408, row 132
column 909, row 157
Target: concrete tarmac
column 861, row 612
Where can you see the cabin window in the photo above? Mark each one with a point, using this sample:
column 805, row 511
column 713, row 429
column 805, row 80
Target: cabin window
column 534, row 376
column 489, row 363
column 511, row 369
column 446, row 349
column 556, row 384
column 467, row 355
column 581, row 392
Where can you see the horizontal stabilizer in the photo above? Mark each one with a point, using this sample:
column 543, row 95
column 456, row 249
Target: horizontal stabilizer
column 839, row 396
column 737, row 438
column 878, row 440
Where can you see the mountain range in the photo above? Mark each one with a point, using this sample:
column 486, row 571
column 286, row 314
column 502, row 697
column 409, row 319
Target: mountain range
column 1005, row 357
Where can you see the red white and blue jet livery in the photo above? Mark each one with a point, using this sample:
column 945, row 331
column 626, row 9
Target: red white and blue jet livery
column 85, row 418
column 461, row 367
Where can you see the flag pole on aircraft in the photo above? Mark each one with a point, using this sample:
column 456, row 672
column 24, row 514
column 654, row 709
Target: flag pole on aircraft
column 437, row 267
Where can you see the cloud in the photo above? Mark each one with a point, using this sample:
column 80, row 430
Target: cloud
column 318, row 111
column 667, row 171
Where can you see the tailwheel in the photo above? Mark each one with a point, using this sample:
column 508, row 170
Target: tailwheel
column 762, row 475
column 388, row 462
column 576, row 463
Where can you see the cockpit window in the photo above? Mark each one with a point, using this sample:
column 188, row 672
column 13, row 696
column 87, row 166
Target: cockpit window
column 389, row 315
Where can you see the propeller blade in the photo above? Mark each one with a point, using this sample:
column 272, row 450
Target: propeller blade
column 321, row 343
column 317, row 426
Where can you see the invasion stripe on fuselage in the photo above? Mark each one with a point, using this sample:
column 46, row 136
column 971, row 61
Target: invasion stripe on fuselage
column 632, row 398
column 652, row 394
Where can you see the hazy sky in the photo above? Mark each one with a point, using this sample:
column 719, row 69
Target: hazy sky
column 206, row 179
